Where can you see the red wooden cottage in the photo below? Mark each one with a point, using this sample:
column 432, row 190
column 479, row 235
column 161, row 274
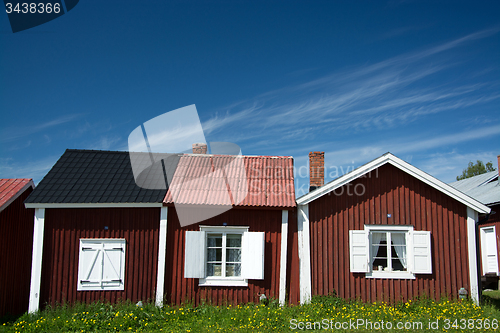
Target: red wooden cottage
column 386, row 231
column 485, row 188
column 99, row 236
column 241, row 254
column 16, row 231
column 96, row 233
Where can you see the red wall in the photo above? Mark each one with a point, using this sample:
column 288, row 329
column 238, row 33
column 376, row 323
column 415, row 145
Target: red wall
column 179, row 289
column 411, row 202
column 65, row 227
column 16, row 247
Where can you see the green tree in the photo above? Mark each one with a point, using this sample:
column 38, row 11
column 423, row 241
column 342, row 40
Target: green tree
column 476, row 169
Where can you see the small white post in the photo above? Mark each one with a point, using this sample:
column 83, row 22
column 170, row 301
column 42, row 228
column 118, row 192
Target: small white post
column 162, row 249
column 284, row 241
column 36, row 261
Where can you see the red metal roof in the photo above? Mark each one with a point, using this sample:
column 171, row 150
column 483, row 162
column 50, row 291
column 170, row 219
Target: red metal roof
column 10, row 189
column 257, row 181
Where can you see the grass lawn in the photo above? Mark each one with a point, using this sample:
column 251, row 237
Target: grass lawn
column 323, row 313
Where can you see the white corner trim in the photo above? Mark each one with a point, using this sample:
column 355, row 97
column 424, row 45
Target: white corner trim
column 304, row 253
column 283, row 256
column 162, row 254
column 402, row 165
column 95, row 205
column 472, row 217
column 36, row 263
column 15, row 196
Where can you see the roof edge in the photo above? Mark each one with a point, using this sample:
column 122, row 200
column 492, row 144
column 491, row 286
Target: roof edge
column 18, row 193
column 403, row 166
column 94, row 205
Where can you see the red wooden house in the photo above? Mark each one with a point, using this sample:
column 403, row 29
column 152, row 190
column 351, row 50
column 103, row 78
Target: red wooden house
column 486, row 189
column 16, row 231
column 99, row 236
column 386, row 231
column 239, row 255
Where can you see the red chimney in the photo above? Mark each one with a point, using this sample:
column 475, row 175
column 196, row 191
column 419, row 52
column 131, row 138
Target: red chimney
column 316, row 169
column 498, row 161
column 199, row 148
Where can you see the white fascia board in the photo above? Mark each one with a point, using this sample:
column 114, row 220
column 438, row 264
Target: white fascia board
column 162, row 254
column 283, row 256
column 472, row 217
column 21, row 191
column 404, row 166
column 36, row 261
column 94, row 205
column 304, row 253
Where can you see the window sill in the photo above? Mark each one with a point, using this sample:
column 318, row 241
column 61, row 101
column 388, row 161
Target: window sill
column 390, row 275
column 209, row 282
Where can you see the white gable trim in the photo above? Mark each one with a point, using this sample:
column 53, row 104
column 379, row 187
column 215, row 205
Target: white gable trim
column 15, row 196
column 388, row 158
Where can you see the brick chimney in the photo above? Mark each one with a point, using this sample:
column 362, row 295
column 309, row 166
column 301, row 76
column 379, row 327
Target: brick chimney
column 316, row 169
column 498, row 162
column 199, row 148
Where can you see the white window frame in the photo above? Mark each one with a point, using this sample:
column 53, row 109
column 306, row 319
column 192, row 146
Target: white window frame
column 222, row 280
column 101, row 245
column 408, row 230
column 484, row 250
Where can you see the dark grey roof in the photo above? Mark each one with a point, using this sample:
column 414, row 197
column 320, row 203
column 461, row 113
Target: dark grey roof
column 95, row 176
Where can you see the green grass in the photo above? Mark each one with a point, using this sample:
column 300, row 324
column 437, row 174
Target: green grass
column 326, row 310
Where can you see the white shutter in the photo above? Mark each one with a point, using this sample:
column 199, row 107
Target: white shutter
column 252, row 255
column 89, row 265
column 422, row 262
column 359, row 251
column 113, row 266
column 489, row 250
column 194, row 255
column 101, row 265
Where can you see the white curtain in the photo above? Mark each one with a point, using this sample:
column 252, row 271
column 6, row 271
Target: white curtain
column 376, row 239
column 398, row 239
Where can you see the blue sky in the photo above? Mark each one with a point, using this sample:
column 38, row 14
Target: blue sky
column 354, row 79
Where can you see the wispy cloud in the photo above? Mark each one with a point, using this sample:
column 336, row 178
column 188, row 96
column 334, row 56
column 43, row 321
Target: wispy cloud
column 399, row 90
column 14, row 133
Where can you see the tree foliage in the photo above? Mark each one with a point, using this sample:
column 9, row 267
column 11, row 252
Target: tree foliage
column 476, row 169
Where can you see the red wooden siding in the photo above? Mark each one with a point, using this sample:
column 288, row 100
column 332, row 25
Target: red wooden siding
column 494, row 220
column 179, row 290
column 65, row 227
column 293, row 272
column 16, row 239
column 411, row 202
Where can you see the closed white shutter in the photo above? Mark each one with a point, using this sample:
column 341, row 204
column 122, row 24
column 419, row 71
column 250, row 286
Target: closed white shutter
column 194, row 255
column 359, row 251
column 101, row 264
column 113, row 264
column 422, row 261
column 489, row 250
column 252, row 255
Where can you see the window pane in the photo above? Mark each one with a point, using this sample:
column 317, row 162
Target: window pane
column 233, row 255
column 214, row 255
column 214, row 240
column 233, row 240
column 233, row 269
column 214, row 270
column 398, row 250
column 397, row 265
